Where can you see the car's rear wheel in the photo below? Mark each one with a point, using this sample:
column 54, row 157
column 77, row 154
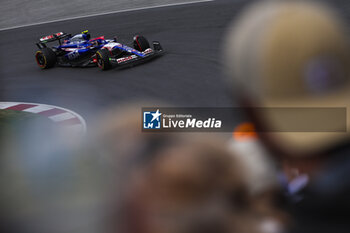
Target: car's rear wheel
column 102, row 58
column 45, row 58
column 141, row 43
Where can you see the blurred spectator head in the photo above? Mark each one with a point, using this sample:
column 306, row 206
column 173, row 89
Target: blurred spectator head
column 290, row 54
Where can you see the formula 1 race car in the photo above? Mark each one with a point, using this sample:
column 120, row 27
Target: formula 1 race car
column 81, row 51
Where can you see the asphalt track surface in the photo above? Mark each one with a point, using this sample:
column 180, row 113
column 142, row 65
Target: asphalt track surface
column 189, row 74
column 14, row 13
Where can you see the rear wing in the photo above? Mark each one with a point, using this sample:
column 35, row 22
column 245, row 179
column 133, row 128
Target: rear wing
column 50, row 38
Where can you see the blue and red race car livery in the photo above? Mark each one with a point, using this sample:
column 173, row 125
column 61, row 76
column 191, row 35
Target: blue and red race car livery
column 80, row 50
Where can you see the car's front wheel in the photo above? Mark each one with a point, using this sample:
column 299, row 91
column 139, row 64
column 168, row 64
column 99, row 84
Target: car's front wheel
column 102, row 59
column 141, row 43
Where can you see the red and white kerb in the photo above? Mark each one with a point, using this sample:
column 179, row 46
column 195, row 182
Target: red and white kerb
column 62, row 116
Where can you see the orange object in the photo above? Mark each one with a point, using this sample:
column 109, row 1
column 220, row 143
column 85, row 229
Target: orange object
column 244, row 131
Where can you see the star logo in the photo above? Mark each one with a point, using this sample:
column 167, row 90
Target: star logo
column 151, row 119
column 156, row 115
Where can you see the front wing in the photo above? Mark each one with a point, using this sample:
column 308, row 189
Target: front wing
column 134, row 59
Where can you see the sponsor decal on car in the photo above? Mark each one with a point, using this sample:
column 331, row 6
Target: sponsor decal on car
column 51, row 36
column 124, row 59
column 147, row 51
column 111, row 46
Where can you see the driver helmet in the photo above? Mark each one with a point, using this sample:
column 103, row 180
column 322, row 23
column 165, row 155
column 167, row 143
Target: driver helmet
column 86, row 35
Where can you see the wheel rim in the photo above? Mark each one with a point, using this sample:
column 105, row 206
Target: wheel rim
column 99, row 61
column 40, row 59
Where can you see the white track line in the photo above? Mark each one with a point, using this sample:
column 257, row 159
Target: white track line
column 62, row 117
column 4, row 105
column 39, row 108
column 106, row 13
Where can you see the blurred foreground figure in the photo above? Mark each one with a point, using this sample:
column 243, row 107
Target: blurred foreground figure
column 47, row 184
column 295, row 54
column 177, row 183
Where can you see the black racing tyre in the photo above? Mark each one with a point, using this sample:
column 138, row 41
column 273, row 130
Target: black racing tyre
column 141, row 43
column 46, row 58
column 102, row 57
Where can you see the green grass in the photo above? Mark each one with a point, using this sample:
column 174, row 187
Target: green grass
column 10, row 116
column 12, row 121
